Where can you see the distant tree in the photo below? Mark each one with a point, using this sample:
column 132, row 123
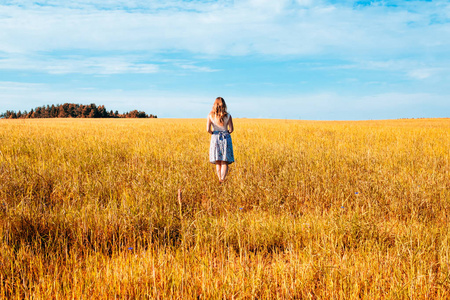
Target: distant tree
column 85, row 111
column 44, row 112
column 53, row 112
column 61, row 112
column 71, row 113
column 77, row 111
column 132, row 114
column 102, row 113
column 71, row 110
column 47, row 111
column 37, row 113
column 93, row 113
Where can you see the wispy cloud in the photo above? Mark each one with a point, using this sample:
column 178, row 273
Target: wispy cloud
column 97, row 64
column 412, row 68
column 19, row 86
column 225, row 28
column 422, row 73
column 195, row 68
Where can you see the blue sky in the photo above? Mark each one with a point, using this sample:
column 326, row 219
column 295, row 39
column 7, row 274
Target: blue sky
column 294, row 59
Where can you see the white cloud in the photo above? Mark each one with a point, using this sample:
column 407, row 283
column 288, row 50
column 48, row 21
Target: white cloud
column 411, row 68
column 195, row 68
column 18, row 86
column 421, row 73
column 76, row 64
column 414, row 69
column 304, row 2
column 106, row 65
column 269, row 5
column 223, row 28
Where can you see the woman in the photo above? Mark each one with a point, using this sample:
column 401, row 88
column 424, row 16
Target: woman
column 220, row 125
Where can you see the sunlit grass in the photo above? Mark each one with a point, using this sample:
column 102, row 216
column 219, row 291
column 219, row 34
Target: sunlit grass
column 311, row 210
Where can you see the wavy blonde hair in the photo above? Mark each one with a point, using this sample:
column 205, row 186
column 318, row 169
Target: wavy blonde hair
column 219, row 109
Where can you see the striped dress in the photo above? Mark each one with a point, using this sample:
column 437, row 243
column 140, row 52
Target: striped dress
column 221, row 147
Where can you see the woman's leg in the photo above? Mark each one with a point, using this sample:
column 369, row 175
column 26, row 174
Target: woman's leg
column 218, row 169
column 224, row 170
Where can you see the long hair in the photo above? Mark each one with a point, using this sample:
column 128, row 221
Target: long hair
column 219, row 109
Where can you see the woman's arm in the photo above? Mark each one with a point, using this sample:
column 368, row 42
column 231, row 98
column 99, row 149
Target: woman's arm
column 208, row 125
column 230, row 125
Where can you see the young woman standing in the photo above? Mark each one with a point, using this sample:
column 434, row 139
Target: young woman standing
column 220, row 124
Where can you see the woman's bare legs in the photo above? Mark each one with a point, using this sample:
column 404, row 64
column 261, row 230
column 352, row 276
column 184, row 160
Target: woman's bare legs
column 218, row 169
column 223, row 171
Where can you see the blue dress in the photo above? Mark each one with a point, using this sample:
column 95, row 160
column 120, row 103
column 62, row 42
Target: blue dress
column 221, row 146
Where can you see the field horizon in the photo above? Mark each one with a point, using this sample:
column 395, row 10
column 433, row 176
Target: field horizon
column 311, row 210
column 244, row 118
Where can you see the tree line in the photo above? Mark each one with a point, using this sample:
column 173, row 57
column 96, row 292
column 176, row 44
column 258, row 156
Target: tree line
column 71, row 110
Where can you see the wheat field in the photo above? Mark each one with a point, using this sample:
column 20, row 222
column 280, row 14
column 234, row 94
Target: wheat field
column 89, row 209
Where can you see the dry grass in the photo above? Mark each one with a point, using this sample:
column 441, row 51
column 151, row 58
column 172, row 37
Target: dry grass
column 311, row 210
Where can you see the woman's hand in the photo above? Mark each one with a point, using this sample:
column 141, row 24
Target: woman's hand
column 208, row 125
column 230, row 125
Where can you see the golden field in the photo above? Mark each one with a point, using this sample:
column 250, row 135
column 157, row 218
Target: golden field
column 311, row 210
